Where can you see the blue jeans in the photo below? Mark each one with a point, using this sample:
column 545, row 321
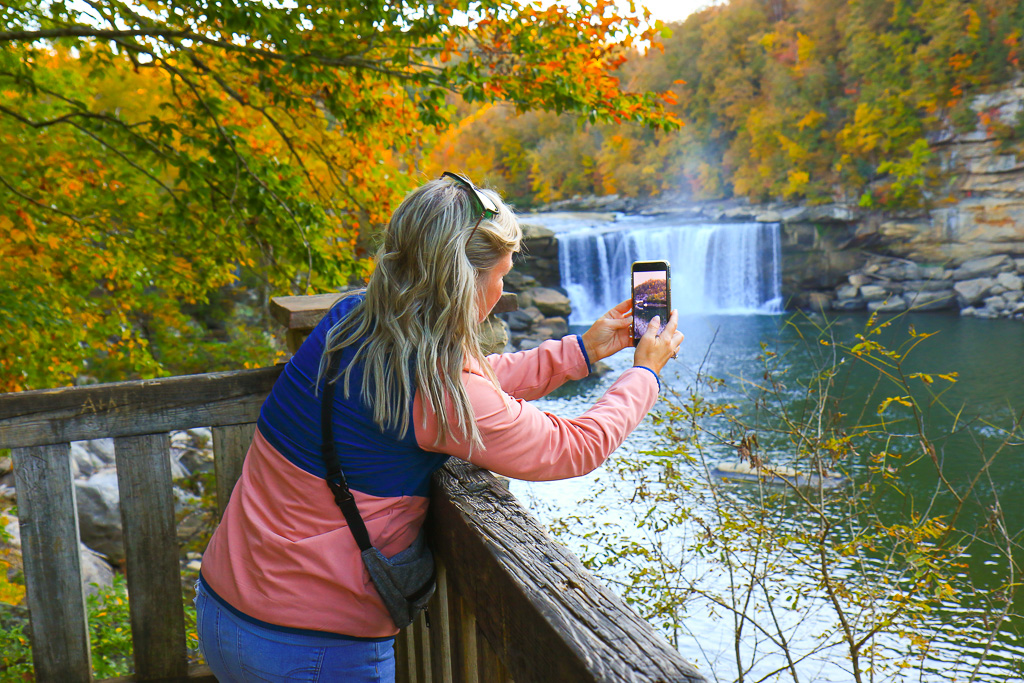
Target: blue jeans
column 238, row 650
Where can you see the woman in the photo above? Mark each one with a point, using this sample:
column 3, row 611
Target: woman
column 283, row 593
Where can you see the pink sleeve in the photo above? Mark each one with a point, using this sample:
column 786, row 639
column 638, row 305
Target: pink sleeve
column 523, row 442
column 537, row 372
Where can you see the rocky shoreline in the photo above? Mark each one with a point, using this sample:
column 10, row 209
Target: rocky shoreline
column 826, row 265
column 989, row 287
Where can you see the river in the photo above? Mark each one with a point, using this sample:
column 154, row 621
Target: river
column 970, row 418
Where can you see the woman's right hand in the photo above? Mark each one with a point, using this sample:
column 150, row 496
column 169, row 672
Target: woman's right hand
column 654, row 350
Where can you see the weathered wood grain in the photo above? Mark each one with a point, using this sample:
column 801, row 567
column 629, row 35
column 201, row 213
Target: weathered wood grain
column 405, row 652
column 490, row 667
column 230, row 444
column 423, row 653
column 35, row 418
column 151, row 554
column 508, row 302
column 464, row 647
column 544, row 614
column 440, row 625
column 304, row 312
column 48, row 521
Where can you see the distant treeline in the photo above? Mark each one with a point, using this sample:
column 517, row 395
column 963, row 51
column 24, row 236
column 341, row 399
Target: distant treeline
column 816, row 100
column 651, row 290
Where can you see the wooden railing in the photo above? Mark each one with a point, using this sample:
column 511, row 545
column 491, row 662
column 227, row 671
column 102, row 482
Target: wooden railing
column 511, row 604
column 38, row 427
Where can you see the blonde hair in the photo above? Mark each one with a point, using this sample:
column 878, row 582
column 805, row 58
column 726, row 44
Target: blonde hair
column 421, row 305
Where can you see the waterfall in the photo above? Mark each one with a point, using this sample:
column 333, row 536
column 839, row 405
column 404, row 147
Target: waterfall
column 716, row 268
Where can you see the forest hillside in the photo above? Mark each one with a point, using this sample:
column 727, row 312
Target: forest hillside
column 801, row 100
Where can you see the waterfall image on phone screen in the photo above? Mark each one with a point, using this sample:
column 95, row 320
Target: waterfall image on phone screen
column 650, row 298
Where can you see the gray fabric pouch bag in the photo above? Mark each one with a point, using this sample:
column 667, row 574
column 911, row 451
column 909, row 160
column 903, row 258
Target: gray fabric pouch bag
column 406, row 581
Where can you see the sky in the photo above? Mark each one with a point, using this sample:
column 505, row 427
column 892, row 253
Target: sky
column 671, row 10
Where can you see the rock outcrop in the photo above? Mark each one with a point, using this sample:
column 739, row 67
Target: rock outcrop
column 539, row 262
column 543, row 314
column 96, row 571
column 988, row 287
column 99, row 514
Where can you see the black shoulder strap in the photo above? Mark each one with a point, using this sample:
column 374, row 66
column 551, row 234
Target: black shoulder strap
column 335, row 477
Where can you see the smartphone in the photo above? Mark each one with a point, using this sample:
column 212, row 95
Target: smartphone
column 652, row 295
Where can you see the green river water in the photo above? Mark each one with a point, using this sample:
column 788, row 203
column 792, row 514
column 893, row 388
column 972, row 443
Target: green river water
column 968, row 425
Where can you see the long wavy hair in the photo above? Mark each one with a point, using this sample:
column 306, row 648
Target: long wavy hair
column 421, row 309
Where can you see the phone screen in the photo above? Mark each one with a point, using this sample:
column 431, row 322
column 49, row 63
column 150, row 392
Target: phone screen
column 650, row 298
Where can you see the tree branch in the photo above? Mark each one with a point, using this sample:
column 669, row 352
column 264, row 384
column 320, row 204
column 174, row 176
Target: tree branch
column 66, row 118
column 93, row 32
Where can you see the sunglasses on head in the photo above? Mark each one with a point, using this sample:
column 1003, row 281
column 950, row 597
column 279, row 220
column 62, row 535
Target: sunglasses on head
column 487, row 207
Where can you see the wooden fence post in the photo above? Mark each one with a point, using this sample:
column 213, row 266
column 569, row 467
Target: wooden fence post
column 50, row 553
column 230, row 444
column 151, row 555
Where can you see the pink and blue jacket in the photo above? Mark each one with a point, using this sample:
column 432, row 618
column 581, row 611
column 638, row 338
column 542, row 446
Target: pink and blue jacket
column 283, row 556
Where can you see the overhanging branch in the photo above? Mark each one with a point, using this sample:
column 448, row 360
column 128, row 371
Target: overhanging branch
column 93, row 32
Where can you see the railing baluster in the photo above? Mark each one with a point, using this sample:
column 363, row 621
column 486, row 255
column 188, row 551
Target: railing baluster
column 440, row 628
column 50, row 552
column 151, row 554
column 402, row 657
column 491, row 668
column 411, row 654
column 421, row 634
column 463, row 638
column 230, row 445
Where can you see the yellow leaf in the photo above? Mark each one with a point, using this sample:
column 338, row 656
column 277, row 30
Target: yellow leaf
column 902, row 400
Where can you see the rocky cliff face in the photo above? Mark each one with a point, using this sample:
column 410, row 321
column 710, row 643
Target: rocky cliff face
column 979, row 211
column 975, row 212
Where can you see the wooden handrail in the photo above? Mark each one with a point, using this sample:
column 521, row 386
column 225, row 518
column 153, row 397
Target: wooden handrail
column 545, row 617
column 300, row 314
column 50, row 416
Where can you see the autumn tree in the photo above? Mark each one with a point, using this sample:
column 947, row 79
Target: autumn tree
column 157, row 155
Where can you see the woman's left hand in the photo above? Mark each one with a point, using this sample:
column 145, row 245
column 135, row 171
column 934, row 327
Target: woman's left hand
column 610, row 333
